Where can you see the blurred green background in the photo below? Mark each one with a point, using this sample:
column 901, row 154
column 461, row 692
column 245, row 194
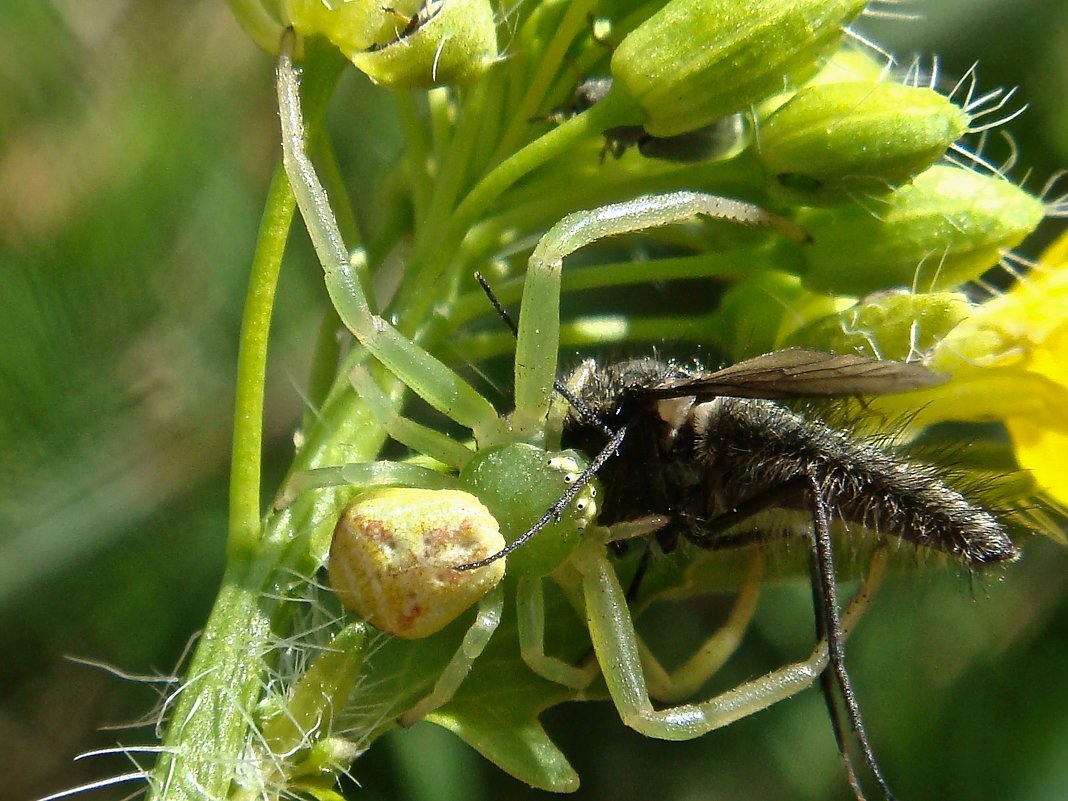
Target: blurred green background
column 136, row 143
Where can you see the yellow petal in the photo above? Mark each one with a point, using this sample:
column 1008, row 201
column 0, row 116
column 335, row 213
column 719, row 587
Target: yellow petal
column 1039, row 447
column 1042, row 452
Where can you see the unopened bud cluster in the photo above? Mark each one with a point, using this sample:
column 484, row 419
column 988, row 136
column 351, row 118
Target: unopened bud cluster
column 409, row 45
column 696, row 61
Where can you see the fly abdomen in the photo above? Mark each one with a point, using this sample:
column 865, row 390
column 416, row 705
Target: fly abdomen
column 753, row 448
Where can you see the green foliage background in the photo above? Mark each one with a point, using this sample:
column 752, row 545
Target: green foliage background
column 136, row 143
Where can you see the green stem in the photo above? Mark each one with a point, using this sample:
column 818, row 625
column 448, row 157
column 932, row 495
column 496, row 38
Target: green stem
column 728, row 265
column 323, row 371
column 244, row 526
column 245, row 507
column 453, row 175
column 575, row 18
column 613, row 111
column 602, row 331
column 441, row 128
column 432, row 253
column 208, row 729
column 264, row 29
column 416, row 153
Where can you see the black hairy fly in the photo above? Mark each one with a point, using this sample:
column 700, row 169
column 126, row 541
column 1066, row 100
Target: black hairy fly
column 709, row 452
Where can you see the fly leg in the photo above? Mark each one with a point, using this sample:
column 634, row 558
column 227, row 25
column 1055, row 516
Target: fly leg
column 808, row 490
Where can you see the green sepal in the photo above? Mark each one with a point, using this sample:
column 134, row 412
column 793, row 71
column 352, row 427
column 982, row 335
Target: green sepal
column 456, row 45
column 496, row 709
column 833, row 142
column 349, row 24
column 320, row 693
column 510, row 735
column 947, row 227
column 696, row 61
column 752, row 312
column 319, row 792
column 890, row 325
column 398, row 674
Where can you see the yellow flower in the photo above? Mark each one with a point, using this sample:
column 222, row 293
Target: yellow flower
column 1009, row 361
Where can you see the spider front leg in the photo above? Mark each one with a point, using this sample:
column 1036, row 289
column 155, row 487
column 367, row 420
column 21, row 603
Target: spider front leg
column 618, row 652
column 419, row 438
column 539, row 318
column 418, row 370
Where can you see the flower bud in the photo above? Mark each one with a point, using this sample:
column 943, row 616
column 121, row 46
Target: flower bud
column 319, row 695
column 445, row 43
column 888, row 325
column 349, row 24
column 833, row 141
column 753, row 311
column 394, row 555
column 697, row 61
column 945, row 228
column 848, row 64
column 845, row 65
column 519, row 483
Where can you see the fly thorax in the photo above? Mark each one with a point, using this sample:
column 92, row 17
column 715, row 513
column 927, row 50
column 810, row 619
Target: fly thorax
column 674, row 413
column 704, row 419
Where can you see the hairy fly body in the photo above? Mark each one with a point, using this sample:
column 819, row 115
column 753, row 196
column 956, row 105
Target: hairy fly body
column 706, row 454
column 710, row 451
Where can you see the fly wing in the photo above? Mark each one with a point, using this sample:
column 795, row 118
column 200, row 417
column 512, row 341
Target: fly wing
column 802, row 372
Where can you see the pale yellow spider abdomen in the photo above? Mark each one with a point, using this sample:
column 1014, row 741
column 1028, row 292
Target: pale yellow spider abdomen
column 394, row 554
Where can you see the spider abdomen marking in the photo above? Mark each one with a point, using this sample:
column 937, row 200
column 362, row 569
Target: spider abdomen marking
column 749, row 447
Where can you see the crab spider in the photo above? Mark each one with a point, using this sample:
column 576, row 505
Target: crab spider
column 526, row 444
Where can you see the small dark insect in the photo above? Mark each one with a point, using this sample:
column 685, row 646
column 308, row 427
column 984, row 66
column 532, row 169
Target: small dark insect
column 411, row 23
column 710, row 452
column 702, row 144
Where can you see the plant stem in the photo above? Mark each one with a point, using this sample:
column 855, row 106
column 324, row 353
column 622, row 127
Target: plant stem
column 575, row 18
column 257, row 22
column 431, row 253
column 244, row 526
column 207, row 734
